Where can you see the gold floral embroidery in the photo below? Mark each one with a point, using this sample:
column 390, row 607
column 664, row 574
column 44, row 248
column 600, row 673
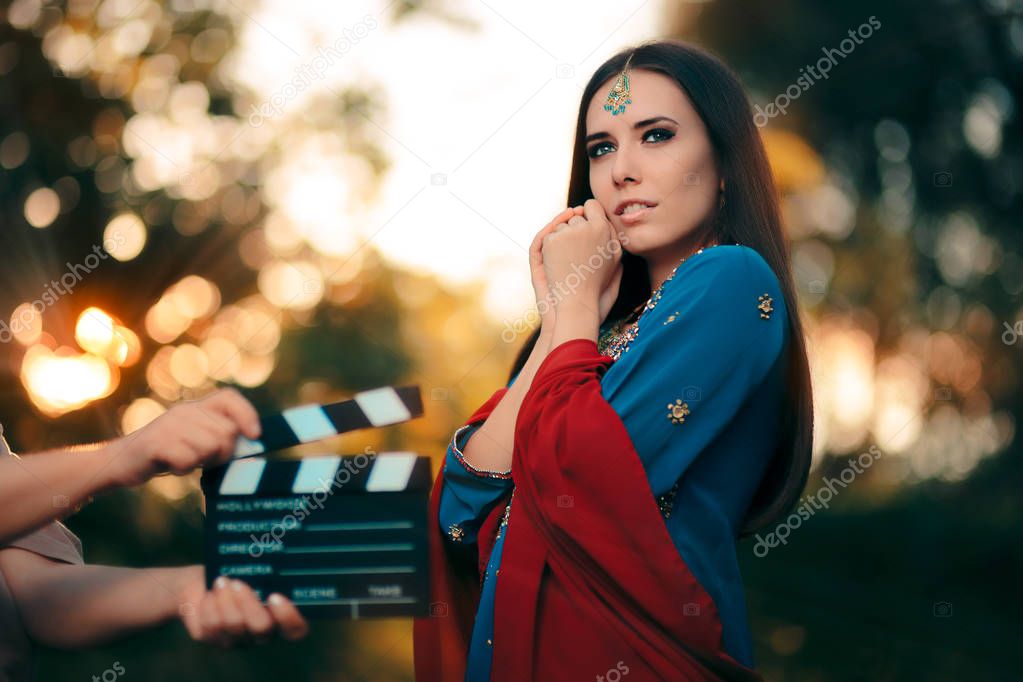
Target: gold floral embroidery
column 765, row 306
column 456, row 532
column 672, row 317
column 678, row 411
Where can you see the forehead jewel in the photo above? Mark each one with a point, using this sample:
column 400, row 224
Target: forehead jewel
column 618, row 96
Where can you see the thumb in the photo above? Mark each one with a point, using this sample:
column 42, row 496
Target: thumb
column 535, row 249
column 535, row 259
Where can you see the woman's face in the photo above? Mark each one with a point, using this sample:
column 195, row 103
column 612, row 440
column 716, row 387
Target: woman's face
column 656, row 151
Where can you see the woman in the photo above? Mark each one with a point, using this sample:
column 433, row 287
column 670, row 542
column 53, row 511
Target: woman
column 586, row 515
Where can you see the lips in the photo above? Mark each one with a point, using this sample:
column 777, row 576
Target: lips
column 635, row 217
column 621, row 206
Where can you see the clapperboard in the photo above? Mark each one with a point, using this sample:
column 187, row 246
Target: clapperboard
column 341, row 536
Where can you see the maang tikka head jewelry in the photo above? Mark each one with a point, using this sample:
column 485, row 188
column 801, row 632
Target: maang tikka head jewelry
column 618, row 96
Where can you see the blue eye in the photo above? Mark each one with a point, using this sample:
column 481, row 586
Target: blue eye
column 661, row 136
column 592, row 151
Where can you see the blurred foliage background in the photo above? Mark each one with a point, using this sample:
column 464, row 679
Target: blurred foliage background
column 197, row 247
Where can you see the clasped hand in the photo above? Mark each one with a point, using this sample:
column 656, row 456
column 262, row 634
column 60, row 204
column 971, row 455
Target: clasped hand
column 576, row 260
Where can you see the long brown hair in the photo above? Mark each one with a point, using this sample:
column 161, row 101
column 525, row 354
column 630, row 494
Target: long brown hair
column 750, row 217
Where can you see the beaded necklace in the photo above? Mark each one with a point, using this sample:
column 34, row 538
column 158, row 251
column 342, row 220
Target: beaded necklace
column 619, row 337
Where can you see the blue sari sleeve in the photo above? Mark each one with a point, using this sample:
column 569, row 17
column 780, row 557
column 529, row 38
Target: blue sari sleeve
column 699, row 354
column 469, row 493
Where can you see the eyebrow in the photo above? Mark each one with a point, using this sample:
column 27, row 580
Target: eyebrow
column 636, row 126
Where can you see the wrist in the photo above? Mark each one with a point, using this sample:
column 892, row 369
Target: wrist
column 578, row 307
column 126, row 463
column 543, row 341
column 576, row 320
column 108, row 472
column 185, row 583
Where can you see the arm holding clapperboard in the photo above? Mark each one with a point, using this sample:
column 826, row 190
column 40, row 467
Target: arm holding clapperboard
column 62, row 602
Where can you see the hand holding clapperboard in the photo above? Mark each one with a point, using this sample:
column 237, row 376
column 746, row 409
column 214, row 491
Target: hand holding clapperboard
column 339, row 536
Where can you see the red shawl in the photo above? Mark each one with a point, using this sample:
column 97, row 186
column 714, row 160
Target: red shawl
column 591, row 585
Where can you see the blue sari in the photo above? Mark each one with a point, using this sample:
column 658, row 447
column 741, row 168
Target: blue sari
column 699, row 391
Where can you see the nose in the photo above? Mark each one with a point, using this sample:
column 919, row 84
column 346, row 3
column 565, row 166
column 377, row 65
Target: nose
column 625, row 167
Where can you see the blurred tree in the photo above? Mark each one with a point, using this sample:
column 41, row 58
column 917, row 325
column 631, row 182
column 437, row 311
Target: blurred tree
column 123, row 136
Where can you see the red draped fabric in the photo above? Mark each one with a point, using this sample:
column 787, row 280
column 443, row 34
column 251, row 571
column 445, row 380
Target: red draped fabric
column 590, row 580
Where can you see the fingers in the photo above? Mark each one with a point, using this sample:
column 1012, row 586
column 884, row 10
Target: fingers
column 563, row 216
column 559, row 222
column 535, row 256
column 232, row 624
column 594, row 212
column 290, row 622
column 202, row 439
column 220, row 434
column 576, row 215
column 235, row 407
column 536, row 247
column 231, row 612
column 258, row 621
column 209, row 621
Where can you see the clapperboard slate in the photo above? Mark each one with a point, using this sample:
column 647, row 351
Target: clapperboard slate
column 341, row 536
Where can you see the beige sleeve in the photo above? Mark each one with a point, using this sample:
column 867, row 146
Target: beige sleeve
column 54, row 540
